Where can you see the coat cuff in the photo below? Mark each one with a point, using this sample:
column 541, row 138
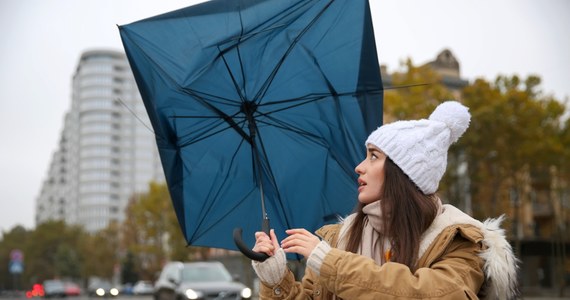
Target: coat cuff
column 317, row 256
column 272, row 270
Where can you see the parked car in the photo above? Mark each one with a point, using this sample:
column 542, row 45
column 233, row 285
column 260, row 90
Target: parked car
column 101, row 288
column 72, row 289
column 126, row 289
column 143, row 287
column 198, row 280
column 54, row 288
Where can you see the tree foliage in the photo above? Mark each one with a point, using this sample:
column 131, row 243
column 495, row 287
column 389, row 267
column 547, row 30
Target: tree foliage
column 414, row 93
column 513, row 141
column 152, row 233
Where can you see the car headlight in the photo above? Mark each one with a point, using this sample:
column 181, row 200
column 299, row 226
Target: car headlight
column 246, row 293
column 191, row 294
column 114, row 291
column 100, row 292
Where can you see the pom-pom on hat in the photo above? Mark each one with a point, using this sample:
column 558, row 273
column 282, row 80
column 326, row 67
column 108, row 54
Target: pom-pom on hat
column 419, row 147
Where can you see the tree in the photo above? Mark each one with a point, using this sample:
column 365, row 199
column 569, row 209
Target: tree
column 46, row 246
column 147, row 228
column 66, row 262
column 414, row 94
column 128, row 269
column 101, row 252
column 16, row 238
column 513, row 140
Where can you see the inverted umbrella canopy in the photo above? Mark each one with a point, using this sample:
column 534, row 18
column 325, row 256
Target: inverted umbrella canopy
column 260, row 109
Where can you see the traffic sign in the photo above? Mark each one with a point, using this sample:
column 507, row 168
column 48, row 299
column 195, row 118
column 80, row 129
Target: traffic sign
column 16, row 267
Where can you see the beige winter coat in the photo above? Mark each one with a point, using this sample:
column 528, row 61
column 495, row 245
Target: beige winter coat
column 456, row 254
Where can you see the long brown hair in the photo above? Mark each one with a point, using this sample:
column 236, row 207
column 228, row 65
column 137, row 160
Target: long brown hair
column 407, row 212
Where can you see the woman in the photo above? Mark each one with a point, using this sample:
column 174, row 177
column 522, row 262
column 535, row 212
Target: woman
column 401, row 242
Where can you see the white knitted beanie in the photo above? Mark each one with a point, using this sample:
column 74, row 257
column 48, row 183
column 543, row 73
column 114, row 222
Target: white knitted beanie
column 419, row 147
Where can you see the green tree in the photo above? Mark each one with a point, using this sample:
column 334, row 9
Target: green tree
column 128, row 269
column 14, row 239
column 101, row 252
column 67, row 262
column 45, row 246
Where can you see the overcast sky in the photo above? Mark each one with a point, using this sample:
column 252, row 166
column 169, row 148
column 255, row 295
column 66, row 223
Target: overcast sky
column 42, row 40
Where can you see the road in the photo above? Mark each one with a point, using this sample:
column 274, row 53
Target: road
column 128, row 297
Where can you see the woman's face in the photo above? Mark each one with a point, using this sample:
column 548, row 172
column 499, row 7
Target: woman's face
column 372, row 174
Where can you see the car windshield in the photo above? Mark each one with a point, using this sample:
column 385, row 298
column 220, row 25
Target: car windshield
column 202, row 273
column 54, row 284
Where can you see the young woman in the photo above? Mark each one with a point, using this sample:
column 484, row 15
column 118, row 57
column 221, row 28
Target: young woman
column 401, row 243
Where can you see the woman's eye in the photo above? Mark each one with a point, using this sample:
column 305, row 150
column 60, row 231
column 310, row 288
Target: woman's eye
column 373, row 157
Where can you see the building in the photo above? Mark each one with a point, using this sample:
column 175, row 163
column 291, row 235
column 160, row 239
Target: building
column 445, row 65
column 107, row 150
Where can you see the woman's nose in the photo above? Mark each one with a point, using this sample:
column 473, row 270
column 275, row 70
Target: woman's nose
column 359, row 169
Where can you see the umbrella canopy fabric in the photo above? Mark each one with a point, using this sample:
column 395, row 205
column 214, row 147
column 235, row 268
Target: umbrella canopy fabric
column 258, row 100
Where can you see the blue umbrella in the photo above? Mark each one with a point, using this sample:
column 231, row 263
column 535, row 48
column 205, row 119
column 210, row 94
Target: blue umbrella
column 260, row 109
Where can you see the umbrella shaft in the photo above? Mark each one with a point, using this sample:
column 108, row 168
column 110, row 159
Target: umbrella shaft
column 257, row 163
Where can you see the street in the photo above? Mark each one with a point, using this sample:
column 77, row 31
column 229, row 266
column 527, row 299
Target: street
column 126, row 297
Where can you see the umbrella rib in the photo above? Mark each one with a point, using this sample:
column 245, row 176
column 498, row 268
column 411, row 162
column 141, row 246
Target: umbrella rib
column 294, row 129
column 193, row 141
column 273, row 26
column 229, row 211
column 272, row 178
column 264, row 88
column 311, row 98
column 211, row 97
column 209, row 208
column 239, row 52
column 222, row 115
column 234, row 81
column 155, row 65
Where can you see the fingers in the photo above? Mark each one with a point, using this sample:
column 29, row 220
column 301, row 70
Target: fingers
column 300, row 241
column 265, row 244
column 274, row 239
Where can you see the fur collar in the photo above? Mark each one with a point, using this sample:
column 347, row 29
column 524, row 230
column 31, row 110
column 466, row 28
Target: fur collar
column 500, row 265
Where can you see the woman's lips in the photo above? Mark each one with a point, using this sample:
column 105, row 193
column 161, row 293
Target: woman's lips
column 361, row 185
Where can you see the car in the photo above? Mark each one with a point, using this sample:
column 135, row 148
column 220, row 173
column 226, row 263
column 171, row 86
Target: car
column 72, row 289
column 54, row 288
column 101, row 288
column 143, row 287
column 198, row 280
column 126, row 289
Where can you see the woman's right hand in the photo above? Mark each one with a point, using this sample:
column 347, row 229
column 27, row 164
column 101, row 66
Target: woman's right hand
column 266, row 244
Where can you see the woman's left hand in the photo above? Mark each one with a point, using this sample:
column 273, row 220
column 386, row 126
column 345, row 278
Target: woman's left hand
column 300, row 241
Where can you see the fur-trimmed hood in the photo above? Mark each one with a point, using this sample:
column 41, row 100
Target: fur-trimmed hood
column 500, row 263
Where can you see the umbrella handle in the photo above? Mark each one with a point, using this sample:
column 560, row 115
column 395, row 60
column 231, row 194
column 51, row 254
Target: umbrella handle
column 258, row 256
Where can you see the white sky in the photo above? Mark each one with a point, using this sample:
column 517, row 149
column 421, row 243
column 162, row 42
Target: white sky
column 42, row 40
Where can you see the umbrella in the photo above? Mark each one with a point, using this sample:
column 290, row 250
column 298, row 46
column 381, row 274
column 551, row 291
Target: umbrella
column 260, row 109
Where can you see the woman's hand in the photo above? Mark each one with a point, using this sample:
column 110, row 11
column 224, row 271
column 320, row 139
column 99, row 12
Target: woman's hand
column 266, row 244
column 300, row 241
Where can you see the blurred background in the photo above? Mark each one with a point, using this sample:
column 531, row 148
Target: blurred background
column 507, row 61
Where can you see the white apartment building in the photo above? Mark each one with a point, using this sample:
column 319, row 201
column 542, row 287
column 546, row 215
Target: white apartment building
column 107, row 151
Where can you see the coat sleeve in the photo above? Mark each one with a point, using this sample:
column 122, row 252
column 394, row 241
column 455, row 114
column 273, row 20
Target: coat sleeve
column 308, row 287
column 457, row 274
column 288, row 288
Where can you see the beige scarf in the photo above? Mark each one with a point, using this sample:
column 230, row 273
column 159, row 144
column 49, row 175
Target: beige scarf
column 371, row 241
column 372, row 244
